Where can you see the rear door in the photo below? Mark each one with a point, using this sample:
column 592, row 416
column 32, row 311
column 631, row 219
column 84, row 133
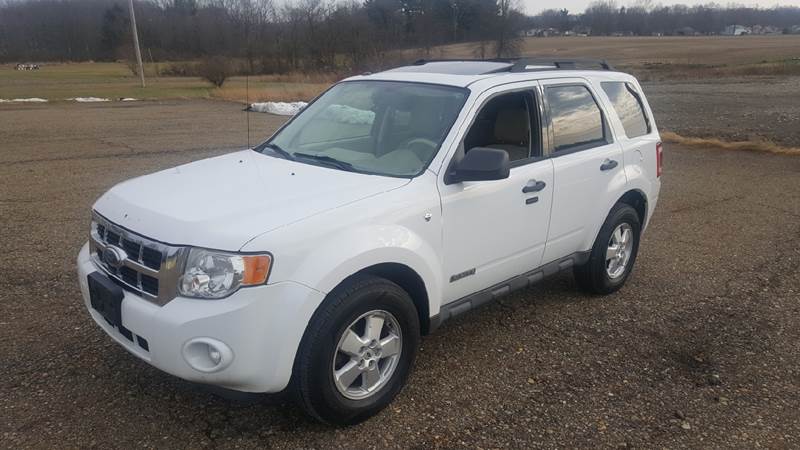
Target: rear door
column 587, row 165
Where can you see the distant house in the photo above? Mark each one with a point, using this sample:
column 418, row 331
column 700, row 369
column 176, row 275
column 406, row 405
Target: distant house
column 582, row 31
column 686, row 31
column 736, row 30
column 27, row 67
column 541, row 32
column 765, row 29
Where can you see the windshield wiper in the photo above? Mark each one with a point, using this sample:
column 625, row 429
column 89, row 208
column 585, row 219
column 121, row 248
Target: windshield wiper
column 344, row 165
column 277, row 149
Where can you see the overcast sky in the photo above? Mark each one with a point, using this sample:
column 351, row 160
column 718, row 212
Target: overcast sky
column 574, row 6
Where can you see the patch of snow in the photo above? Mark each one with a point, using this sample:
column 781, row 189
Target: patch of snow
column 348, row 114
column 89, row 99
column 279, row 108
column 128, row 99
column 24, row 100
column 335, row 113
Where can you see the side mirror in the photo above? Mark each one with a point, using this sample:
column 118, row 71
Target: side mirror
column 480, row 164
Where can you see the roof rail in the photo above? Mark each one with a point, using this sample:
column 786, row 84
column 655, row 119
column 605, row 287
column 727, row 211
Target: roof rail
column 531, row 64
column 524, row 64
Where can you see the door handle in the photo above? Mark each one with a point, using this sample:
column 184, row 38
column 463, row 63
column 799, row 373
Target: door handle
column 608, row 164
column 533, row 186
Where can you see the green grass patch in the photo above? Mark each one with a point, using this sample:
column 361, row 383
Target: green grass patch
column 109, row 80
column 57, row 82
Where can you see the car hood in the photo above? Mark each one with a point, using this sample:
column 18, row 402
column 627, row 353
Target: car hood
column 224, row 202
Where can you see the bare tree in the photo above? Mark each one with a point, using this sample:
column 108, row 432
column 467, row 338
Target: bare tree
column 250, row 18
column 267, row 36
column 508, row 40
column 215, row 70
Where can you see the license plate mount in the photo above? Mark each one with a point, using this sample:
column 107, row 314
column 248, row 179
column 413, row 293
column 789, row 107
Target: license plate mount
column 106, row 298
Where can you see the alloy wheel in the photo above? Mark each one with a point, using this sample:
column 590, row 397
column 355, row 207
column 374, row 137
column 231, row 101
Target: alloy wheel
column 367, row 354
column 619, row 250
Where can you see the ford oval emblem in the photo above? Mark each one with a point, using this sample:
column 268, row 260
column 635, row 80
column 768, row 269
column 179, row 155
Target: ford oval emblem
column 114, row 256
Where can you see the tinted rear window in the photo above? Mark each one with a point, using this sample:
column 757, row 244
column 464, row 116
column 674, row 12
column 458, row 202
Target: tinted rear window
column 629, row 108
column 577, row 120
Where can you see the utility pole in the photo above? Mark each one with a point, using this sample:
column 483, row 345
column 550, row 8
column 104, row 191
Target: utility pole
column 136, row 42
column 454, row 6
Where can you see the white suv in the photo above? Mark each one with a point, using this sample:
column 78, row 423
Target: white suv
column 393, row 202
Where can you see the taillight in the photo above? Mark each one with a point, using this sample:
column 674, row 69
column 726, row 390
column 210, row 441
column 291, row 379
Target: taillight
column 659, row 158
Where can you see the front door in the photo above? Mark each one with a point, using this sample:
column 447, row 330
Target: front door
column 495, row 230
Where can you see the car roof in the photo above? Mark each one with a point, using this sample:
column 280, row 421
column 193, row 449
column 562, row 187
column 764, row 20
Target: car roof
column 487, row 73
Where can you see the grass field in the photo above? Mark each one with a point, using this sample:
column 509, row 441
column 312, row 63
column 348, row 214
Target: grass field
column 651, row 58
column 114, row 80
column 109, row 80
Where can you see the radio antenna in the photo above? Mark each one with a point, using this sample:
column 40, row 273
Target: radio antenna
column 247, row 107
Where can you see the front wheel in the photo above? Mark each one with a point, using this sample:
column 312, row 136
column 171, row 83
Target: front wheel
column 357, row 351
column 613, row 254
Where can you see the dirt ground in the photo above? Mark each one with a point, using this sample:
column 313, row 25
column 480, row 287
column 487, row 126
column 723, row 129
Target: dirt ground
column 698, row 350
column 731, row 109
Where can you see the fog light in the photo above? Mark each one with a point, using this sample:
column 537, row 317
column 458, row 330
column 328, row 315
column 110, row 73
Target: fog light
column 207, row 355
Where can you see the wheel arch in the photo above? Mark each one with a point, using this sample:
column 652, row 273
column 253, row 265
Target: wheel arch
column 638, row 200
column 410, row 281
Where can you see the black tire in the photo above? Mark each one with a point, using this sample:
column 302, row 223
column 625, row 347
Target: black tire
column 592, row 276
column 315, row 387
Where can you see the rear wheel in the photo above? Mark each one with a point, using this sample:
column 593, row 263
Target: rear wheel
column 357, row 352
column 613, row 254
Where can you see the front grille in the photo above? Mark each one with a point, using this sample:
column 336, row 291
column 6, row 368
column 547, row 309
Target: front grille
column 151, row 258
column 150, row 284
column 129, row 276
column 133, row 249
column 150, row 268
column 112, row 238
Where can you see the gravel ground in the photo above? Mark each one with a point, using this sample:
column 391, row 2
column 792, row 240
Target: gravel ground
column 733, row 109
column 698, row 350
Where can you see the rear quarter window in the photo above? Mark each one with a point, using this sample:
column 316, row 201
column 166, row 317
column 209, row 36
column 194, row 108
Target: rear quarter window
column 628, row 106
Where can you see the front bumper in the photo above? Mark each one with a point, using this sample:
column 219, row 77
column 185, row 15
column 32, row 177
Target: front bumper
column 261, row 325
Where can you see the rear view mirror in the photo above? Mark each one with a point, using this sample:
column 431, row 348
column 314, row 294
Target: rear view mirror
column 480, row 164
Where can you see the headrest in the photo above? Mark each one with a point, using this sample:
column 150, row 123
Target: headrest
column 511, row 126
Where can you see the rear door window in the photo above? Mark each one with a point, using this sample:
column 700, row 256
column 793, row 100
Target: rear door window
column 576, row 118
column 629, row 108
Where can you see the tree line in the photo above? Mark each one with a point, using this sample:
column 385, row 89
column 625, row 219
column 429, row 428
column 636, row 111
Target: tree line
column 271, row 37
column 606, row 17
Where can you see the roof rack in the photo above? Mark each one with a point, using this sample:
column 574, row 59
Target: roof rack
column 531, row 64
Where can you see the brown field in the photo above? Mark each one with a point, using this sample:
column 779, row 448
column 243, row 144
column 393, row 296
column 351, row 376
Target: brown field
column 635, row 51
column 660, row 58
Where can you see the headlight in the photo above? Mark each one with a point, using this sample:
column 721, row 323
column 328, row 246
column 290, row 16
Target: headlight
column 212, row 274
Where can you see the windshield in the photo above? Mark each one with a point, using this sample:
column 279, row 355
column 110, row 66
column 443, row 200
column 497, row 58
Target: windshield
column 378, row 127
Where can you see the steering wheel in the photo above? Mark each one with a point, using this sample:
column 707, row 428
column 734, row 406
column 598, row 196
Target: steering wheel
column 417, row 146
